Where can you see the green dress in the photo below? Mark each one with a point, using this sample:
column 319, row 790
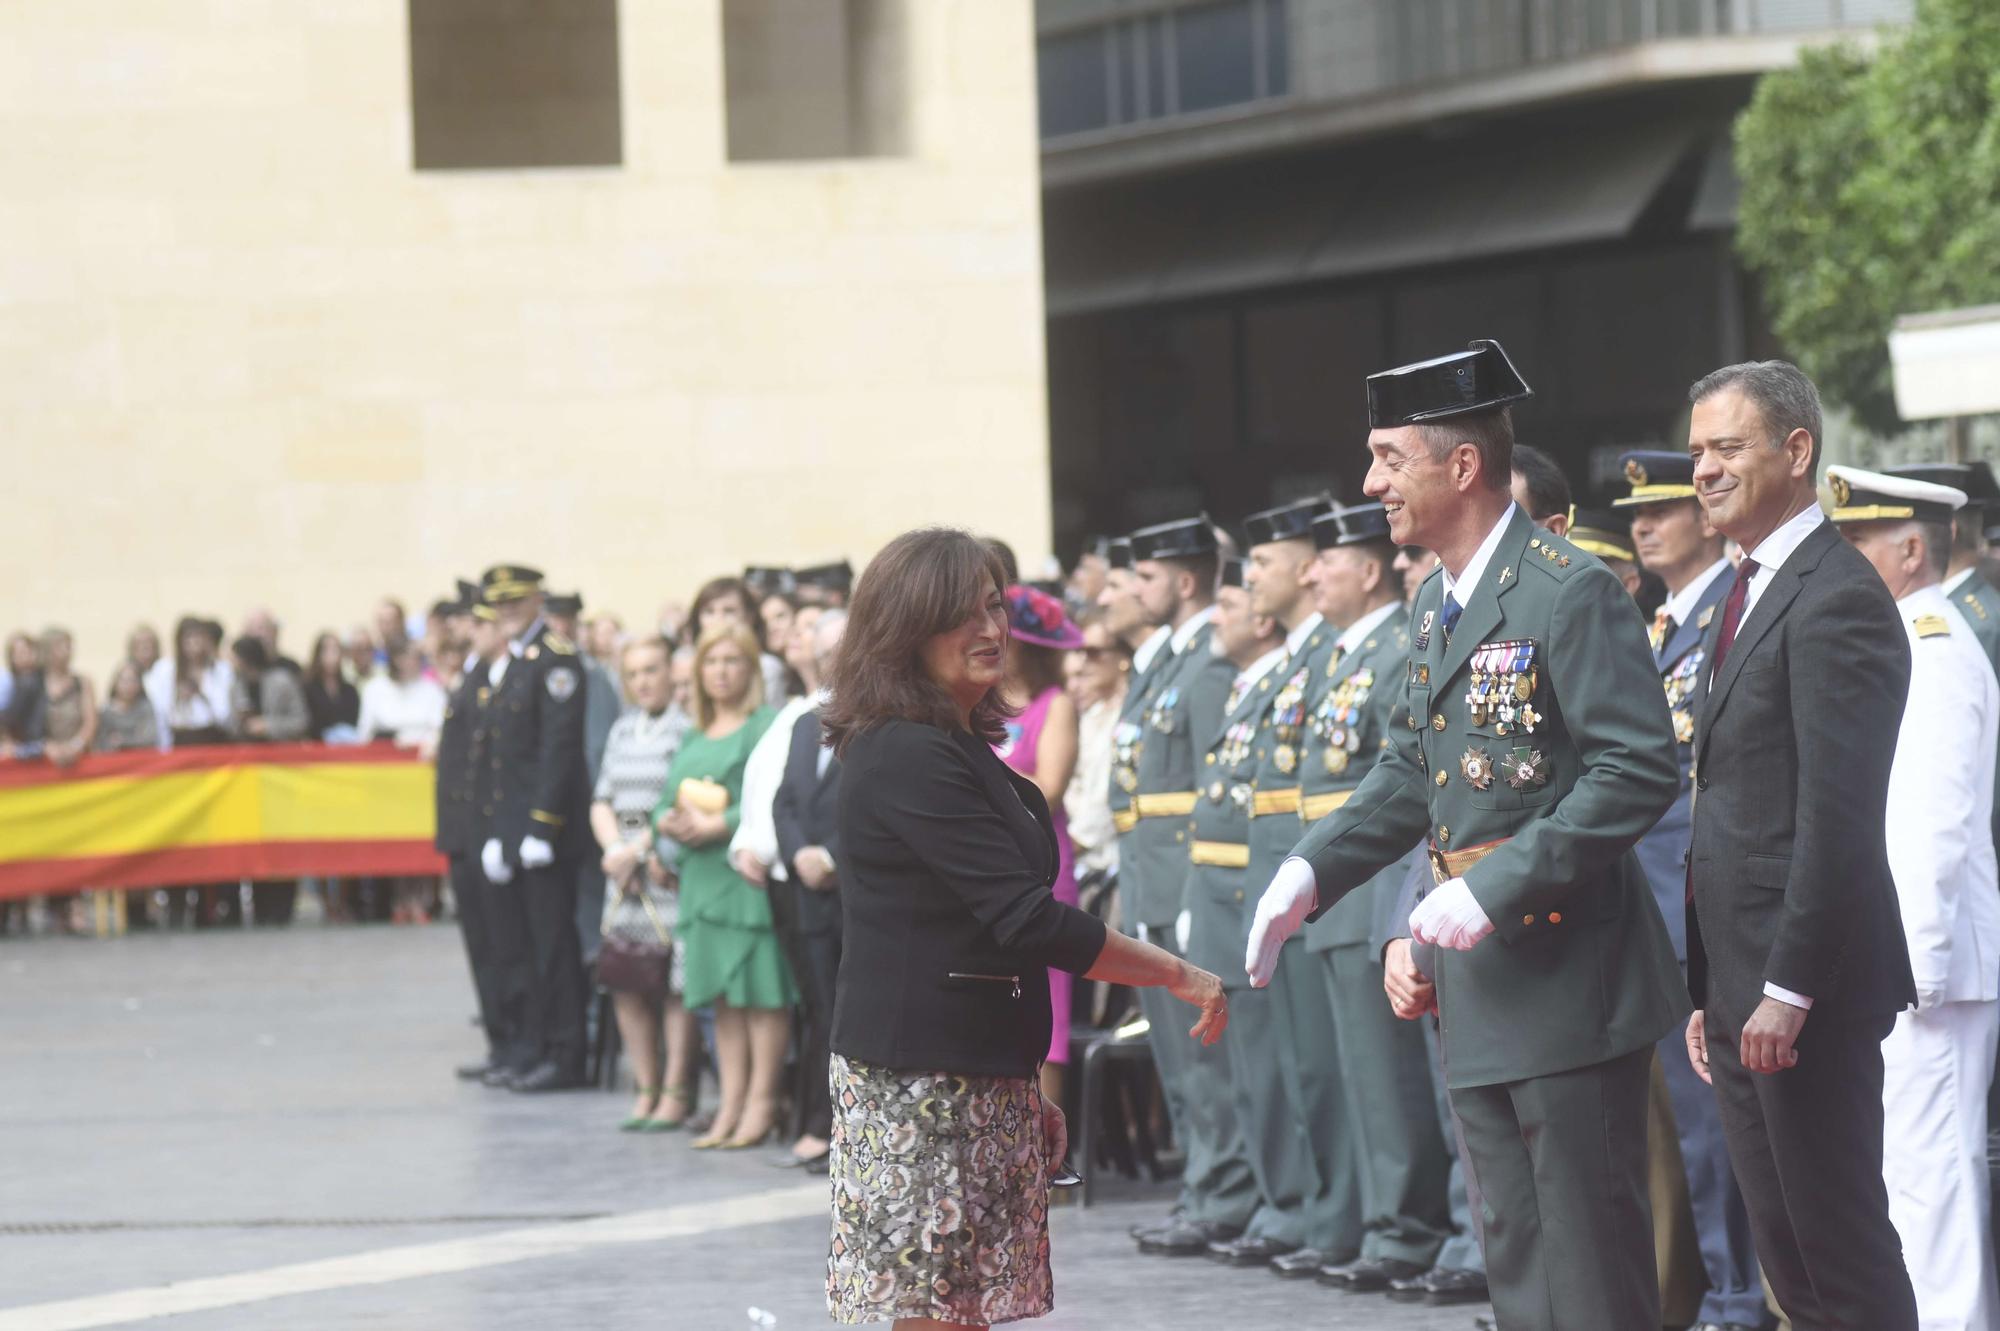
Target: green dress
column 725, row 921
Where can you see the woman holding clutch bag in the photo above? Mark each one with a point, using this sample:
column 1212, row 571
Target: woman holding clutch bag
column 641, row 906
column 944, row 1147
column 732, row 957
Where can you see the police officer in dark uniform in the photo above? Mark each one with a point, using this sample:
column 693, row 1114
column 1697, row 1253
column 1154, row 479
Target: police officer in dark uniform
column 539, row 827
column 461, row 757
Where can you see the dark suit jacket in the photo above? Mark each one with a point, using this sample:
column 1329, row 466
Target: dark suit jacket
column 1789, row 862
column 947, row 910
column 806, row 812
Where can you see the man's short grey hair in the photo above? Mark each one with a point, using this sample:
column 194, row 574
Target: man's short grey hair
column 826, row 633
column 1937, row 544
column 1785, row 398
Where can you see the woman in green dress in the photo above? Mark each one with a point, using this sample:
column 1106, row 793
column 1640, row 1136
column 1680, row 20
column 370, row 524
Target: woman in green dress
column 733, row 960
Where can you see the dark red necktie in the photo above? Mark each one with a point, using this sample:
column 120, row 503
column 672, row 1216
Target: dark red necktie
column 1732, row 613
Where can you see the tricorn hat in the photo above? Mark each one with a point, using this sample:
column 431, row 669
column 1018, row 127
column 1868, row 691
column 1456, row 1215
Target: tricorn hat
column 1184, row 538
column 1287, row 522
column 1480, row 378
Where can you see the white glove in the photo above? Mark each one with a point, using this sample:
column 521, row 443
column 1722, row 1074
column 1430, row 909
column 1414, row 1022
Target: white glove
column 494, row 861
column 1183, row 926
column 1450, row 917
column 536, row 853
column 1293, row 892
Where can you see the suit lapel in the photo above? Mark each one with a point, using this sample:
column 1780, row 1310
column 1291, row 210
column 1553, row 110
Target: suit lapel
column 1690, row 634
column 1772, row 602
column 1020, row 802
column 1482, row 613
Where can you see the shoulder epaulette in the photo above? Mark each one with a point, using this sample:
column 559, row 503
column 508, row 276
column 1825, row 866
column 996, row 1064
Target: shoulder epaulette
column 1551, row 554
column 558, row 644
column 1971, row 601
column 1931, row 626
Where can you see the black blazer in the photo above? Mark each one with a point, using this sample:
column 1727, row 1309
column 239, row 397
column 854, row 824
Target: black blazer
column 806, row 812
column 947, row 911
column 1790, row 861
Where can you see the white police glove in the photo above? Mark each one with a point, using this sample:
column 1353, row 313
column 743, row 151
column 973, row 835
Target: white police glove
column 1183, row 926
column 1450, row 917
column 494, row 861
column 536, row 853
column 1283, row 908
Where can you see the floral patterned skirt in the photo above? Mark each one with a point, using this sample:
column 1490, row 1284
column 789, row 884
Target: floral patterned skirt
column 940, row 1197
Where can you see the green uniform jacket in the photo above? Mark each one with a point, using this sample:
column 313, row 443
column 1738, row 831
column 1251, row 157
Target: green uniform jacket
column 1280, row 751
column 1578, row 969
column 1219, row 838
column 1128, row 740
column 1979, row 603
column 1348, row 725
column 1182, row 713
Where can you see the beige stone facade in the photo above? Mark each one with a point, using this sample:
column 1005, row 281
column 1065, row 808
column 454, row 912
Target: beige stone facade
column 249, row 353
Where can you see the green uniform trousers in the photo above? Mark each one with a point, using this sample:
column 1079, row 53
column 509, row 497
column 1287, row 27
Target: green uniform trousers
column 1260, row 1078
column 1310, row 1045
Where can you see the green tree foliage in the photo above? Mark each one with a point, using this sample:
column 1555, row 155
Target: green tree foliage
column 1871, row 188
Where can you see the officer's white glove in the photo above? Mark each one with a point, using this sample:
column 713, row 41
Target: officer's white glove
column 1280, row 911
column 494, row 861
column 1183, row 926
column 1450, row 917
column 536, row 853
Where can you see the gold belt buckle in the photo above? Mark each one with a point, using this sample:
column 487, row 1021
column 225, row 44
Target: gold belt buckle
column 1439, row 873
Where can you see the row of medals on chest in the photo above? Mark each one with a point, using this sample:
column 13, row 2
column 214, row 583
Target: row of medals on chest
column 1335, row 722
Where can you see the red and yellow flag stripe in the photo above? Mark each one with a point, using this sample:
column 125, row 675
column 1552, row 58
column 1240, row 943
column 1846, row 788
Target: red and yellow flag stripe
column 215, row 814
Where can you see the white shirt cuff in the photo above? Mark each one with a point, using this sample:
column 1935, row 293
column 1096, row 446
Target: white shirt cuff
column 1784, row 995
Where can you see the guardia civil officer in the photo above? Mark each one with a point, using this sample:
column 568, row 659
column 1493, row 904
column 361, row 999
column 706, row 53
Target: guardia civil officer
column 1125, row 619
column 1673, row 542
column 1532, row 692
column 1938, row 1060
column 1288, row 1096
column 1174, row 572
column 539, row 826
column 1384, row 1070
column 1217, row 888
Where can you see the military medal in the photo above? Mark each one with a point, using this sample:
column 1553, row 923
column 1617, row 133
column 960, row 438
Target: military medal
column 1336, row 761
column 1286, row 757
column 1162, row 714
column 1527, row 769
column 1476, row 766
column 1216, row 791
column 1424, row 630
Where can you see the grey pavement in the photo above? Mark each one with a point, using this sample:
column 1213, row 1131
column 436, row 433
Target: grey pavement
column 180, row 1107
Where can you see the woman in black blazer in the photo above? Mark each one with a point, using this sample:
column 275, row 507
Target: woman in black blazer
column 942, row 1143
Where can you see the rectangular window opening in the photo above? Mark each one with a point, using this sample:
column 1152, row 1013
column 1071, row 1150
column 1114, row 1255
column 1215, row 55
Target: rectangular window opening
column 815, row 79
column 510, row 84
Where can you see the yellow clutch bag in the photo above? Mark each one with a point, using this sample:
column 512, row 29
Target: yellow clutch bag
column 699, row 795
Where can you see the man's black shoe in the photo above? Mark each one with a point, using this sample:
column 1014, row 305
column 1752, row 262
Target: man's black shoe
column 1190, row 1238
column 1448, row 1287
column 1484, row 1323
column 1299, row 1264
column 1376, row 1275
column 501, row 1076
column 546, row 1077
column 474, row 1071
column 1248, row 1251
column 1174, row 1219
column 1411, row 1290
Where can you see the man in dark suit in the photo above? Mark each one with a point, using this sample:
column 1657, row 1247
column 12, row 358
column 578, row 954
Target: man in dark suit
column 1792, row 910
column 805, row 902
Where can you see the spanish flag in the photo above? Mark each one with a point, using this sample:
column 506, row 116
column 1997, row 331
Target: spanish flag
column 215, row 814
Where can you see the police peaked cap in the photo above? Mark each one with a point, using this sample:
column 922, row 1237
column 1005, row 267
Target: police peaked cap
column 1873, row 496
column 1974, row 480
column 835, row 577
column 509, row 582
column 1288, row 522
column 1601, row 532
column 568, row 603
column 1656, row 477
column 1480, row 378
column 1183, row 538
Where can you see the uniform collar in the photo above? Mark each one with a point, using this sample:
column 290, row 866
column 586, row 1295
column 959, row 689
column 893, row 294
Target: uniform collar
column 1357, row 632
column 1468, row 577
column 1297, row 637
column 1142, row 660
column 1929, row 600
column 1183, row 635
column 1957, row 580
column 1682, row 603
column 1259, row 668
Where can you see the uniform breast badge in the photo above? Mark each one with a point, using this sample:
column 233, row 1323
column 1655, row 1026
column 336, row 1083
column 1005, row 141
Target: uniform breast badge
column 1423, row 641
column 1162, row 715
column 1527, row 769
column 1337, row 760
column 1286, row 757
column 1476, row 766
column 1216, row 792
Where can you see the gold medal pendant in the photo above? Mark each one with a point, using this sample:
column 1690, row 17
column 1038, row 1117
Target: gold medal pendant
column 1286, row 757
column 1476, row 766
column 1336, row 761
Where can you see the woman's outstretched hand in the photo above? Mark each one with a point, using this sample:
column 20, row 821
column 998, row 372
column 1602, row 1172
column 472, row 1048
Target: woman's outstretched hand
column 1199, row 987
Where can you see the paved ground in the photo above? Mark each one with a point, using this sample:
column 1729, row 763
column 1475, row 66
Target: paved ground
column 261, row 1130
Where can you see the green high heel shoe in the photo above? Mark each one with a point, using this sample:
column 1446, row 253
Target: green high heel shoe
column 678, row 1095
column 638, row 1122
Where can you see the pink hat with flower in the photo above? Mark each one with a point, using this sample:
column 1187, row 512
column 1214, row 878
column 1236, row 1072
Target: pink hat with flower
column 1039, row 618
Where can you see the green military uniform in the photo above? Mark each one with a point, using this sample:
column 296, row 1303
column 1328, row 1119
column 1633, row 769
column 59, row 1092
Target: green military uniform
column 1182, row 707
column 1218, row 893
column 1535, row 752
column 1384, row 1067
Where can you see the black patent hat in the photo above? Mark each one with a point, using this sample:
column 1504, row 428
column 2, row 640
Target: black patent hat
column 1232, row 572
column 565, row 604
column 1480, row 378
column 1288, row 522
column 1351, row 525
column 835, row 577
column 1118, row 552
column 1184, row 538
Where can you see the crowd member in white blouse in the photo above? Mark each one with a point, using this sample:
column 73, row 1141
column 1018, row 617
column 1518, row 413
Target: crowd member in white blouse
column 402, row 704
column 1096, row 675
column 754, row 848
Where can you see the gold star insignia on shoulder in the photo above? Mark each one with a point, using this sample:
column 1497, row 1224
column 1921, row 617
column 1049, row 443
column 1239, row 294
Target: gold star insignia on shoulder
column 1931, row 626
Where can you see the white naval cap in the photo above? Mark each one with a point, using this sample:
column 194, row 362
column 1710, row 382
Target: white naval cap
column 1873, row 496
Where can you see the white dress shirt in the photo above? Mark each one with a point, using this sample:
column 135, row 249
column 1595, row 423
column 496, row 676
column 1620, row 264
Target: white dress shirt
column 1297, row 637
column 1682, row 603
column 1246, row 678
column 1183, row 635
column 1958, row 579
column 1150, row 648
column 1468, row 577
column 763, row 773
column 1357, row 633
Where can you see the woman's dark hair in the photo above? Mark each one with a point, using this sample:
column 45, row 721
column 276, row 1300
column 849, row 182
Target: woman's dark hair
column 315, row 671
column 250, row 651
column 714, row 590
column 923, row 583
column 1040, row 668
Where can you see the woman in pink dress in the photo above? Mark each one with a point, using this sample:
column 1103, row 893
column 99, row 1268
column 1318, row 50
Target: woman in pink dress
column 1041, row 745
